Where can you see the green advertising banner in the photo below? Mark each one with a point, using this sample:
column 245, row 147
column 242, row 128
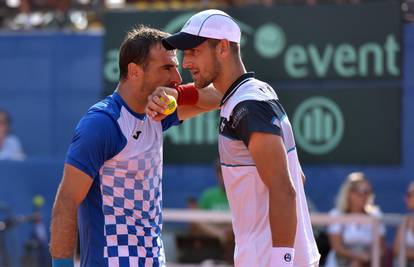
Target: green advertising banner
column 193, row 141
column 299, row 43
column 345, row 126
column 291, row 43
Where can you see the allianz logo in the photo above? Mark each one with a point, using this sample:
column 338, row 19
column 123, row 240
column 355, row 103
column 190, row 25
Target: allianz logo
column 319, row 125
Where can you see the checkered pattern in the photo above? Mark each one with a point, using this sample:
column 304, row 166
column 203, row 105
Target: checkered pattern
column 132, row 200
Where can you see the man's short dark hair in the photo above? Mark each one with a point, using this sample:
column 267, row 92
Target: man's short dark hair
column 136, row 47
column 234, row 47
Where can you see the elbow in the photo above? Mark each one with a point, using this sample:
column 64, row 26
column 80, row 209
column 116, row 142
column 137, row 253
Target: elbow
column 290, row 192
column 285, row 194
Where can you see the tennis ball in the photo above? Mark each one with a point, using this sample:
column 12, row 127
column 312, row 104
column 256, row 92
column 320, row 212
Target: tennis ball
column 171, row 105
column 38, row 201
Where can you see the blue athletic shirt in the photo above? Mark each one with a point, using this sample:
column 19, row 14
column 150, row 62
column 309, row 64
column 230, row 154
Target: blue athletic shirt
column 120, row 219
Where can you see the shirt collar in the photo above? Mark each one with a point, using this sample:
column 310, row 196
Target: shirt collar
column 236, row 85
column 123, row 103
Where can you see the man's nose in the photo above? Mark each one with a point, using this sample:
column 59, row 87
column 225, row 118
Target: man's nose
column 186, row 62
column 176, row 77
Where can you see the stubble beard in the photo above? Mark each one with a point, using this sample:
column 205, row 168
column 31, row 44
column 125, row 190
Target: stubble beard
column 210, row 77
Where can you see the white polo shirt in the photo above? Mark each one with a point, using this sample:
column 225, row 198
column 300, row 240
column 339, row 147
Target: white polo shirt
column 248, row 106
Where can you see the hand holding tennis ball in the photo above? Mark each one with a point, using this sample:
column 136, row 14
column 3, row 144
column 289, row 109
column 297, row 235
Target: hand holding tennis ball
column 171, row 105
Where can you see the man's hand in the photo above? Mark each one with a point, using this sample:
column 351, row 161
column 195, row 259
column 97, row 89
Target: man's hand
column 363, row 257
column 155, row 105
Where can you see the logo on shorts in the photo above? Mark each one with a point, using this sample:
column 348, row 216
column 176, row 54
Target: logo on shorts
column 287, row 257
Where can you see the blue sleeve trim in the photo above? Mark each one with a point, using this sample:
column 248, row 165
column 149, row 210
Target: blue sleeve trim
column 255, row 116
column 237, row 165
column 62, row 263
column 97, row 138
column 170, row 120
column 78, row 165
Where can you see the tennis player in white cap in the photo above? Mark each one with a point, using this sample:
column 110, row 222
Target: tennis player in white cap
column 259, row 160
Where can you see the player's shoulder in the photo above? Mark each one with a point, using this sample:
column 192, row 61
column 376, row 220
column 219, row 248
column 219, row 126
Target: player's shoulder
column 255, row 89
column 335, row 212
column 110, row 106
column 252, row 90
column 102, row 116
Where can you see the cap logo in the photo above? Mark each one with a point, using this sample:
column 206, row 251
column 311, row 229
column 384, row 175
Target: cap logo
column 187, row 23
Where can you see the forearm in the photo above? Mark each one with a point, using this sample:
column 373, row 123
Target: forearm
column 398, row 239
column 346, row 253
column 283, row 218
column 268, row 152
column 208, row 98
column 359, row 258
column 63, row 229
column 210, row 229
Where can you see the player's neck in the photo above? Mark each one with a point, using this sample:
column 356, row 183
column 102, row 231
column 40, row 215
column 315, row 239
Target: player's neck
column 229, row 74
column 128, row 95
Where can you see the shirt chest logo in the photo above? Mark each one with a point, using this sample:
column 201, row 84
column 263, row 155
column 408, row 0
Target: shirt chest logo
column 136, row 135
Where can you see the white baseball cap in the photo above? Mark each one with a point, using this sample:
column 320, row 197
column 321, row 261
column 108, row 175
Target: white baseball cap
column 211, row 23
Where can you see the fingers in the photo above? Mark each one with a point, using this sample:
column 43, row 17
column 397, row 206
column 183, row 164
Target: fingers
column 156, row 106
column 159, row 117
column 151, row 113
column 163, row 95
column 164, row 91
column 154, row 115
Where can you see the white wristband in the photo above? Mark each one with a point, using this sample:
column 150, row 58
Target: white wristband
column 282, row 257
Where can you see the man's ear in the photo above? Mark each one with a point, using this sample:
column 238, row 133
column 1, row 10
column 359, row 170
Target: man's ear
column 135, row 71
column 223, row 48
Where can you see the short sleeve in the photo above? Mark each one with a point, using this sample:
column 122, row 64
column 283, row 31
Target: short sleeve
column 97, row 138
column 255, row 116
column 377, row 213
column 335, row 228
column 170, row 120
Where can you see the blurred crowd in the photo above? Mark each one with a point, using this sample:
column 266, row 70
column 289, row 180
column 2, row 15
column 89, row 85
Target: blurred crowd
column 87, row 14
column 340, row 244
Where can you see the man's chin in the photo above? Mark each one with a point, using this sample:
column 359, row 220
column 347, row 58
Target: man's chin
column 200, row 85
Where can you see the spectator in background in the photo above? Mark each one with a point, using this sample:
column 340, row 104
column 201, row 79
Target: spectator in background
column 36, row 252
column 214, row 199
column 408, row 226
column 351, row 242
column 10, row 147
column 28, row 19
